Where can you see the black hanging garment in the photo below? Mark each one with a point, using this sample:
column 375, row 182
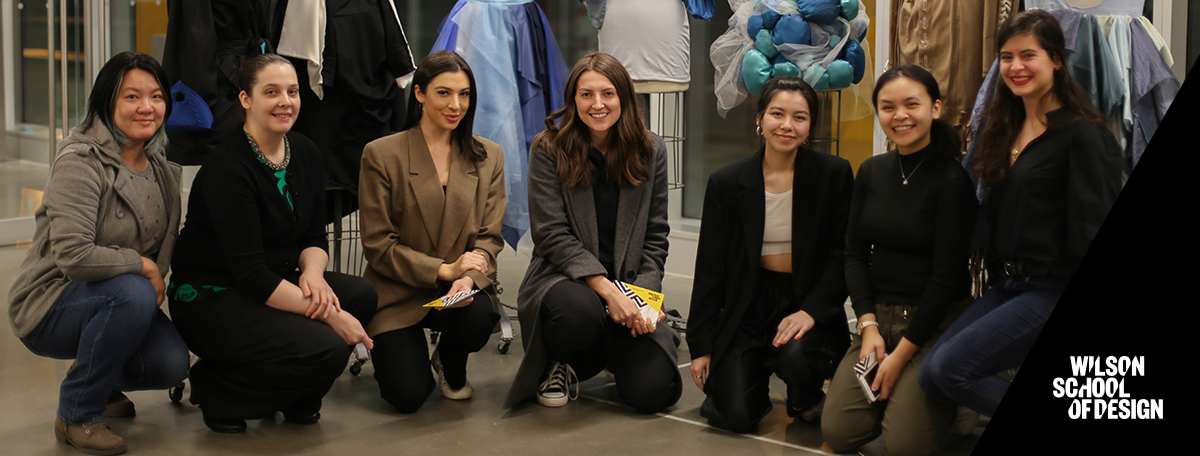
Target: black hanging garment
column 207, row 40
column 365, row 51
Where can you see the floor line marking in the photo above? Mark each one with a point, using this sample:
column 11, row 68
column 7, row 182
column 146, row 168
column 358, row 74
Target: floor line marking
column 703, row 425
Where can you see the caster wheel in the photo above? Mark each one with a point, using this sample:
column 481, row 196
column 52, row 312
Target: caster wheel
column 355, row 369
column 176, row 394
column 503, row 347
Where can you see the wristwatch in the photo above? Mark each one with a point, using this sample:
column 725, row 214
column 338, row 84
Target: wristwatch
column 864, row 324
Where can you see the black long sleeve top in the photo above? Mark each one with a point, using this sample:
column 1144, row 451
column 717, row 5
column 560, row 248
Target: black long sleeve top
column 908, row 244
column 1050, row 205
column 240, row 231
column 605, row 193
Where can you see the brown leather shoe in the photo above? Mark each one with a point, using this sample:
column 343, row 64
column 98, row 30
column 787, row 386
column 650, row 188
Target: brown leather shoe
column 119, row 406
column 92, row 438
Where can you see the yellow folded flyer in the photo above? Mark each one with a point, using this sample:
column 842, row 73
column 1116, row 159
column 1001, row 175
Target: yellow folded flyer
column 649, row 302
column 449, row 301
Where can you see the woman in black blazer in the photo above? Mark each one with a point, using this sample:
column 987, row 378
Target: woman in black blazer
column 767, row 298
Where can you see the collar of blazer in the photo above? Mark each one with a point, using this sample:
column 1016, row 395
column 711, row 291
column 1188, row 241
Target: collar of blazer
column 443, row 214
column 751, row 201
column 582, row 211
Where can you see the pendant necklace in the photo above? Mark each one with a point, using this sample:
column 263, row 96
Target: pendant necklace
column 903, row 176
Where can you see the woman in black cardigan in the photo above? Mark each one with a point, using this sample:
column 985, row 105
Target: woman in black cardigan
column 766, row 299
column 250, row 294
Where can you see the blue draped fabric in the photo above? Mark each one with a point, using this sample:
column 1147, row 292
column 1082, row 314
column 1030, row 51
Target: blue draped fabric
column 518, row 68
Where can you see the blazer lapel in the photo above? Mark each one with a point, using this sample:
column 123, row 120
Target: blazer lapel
column 806, row 192
column 460, row 193
column 752, row 203
column 629, row 205
column 425, row 185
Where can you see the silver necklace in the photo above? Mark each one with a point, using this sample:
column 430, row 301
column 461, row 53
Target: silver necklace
column 287, row 153
column 903, row 176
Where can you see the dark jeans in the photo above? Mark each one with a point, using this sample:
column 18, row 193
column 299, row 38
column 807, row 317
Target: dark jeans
column 256, row 360
column 401, row 357
column 119, row 339
column 992, row 335
column 576, row 330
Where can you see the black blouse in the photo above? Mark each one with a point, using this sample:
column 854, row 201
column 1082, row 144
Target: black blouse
column 1050, row 205
column 908, row 244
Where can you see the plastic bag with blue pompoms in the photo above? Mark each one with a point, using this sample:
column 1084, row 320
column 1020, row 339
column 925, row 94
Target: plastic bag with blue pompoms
column 812, row 61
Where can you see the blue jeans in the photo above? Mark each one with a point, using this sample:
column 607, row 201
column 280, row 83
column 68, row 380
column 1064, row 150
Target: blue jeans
column 118, row 338
column 994, row 334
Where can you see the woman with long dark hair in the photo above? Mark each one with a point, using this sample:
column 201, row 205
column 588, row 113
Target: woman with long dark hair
column 911, row 219
column 91, row 285
column 250, row 293
column 598, row 214
column 1053, row 171
column 432, row 202
column 770, row 277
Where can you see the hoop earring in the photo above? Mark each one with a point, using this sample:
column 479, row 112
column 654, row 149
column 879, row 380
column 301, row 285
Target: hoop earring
column 758, row 130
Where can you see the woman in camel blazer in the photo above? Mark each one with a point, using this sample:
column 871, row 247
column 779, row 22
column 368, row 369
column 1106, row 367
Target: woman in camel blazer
column 431, row 199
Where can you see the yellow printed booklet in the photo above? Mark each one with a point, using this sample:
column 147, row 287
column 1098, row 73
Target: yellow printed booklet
column 649, row 302
column 448, row 300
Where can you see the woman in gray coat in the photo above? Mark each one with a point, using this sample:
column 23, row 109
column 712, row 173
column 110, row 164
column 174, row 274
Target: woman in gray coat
column 598, row 214
column 92, row 283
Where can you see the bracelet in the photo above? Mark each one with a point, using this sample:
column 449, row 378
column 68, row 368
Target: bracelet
column 864, row 324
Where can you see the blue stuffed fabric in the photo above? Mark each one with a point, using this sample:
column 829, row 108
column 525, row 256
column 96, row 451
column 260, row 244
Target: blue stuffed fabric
column 785, row 68
column 764, row 45
column 853, row 53
column 849, row 9
column 818, row 83
column 764, row 20
column 754, row 25
column 792, row 29
column 770, row 18
column 820, row 11
column 189, row 111
column 833, row 42
column 840, row 73
column 756, row 70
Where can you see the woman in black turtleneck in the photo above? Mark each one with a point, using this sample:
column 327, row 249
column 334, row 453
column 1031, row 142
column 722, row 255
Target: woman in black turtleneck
column 911, row 218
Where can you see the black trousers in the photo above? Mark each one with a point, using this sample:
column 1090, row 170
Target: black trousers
column 401, row 357
column 739, row 384
column 577, row 331
column 256, row 360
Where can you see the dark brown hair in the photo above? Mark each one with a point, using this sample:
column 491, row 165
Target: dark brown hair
column 786, row 84
column 1005, row 114
column 567, row 136
column 247, row 73
column 941, row 135
column 431, row 66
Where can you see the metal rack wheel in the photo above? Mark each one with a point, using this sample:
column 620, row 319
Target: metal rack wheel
column 176, row 393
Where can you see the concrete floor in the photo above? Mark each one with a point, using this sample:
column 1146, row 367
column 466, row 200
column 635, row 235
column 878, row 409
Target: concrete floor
column 355, row 420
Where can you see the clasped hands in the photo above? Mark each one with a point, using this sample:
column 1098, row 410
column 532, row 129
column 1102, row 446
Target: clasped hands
column 454, row 271
column 621, row 309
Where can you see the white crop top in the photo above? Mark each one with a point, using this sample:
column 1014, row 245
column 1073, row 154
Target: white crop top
column 777, row 225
